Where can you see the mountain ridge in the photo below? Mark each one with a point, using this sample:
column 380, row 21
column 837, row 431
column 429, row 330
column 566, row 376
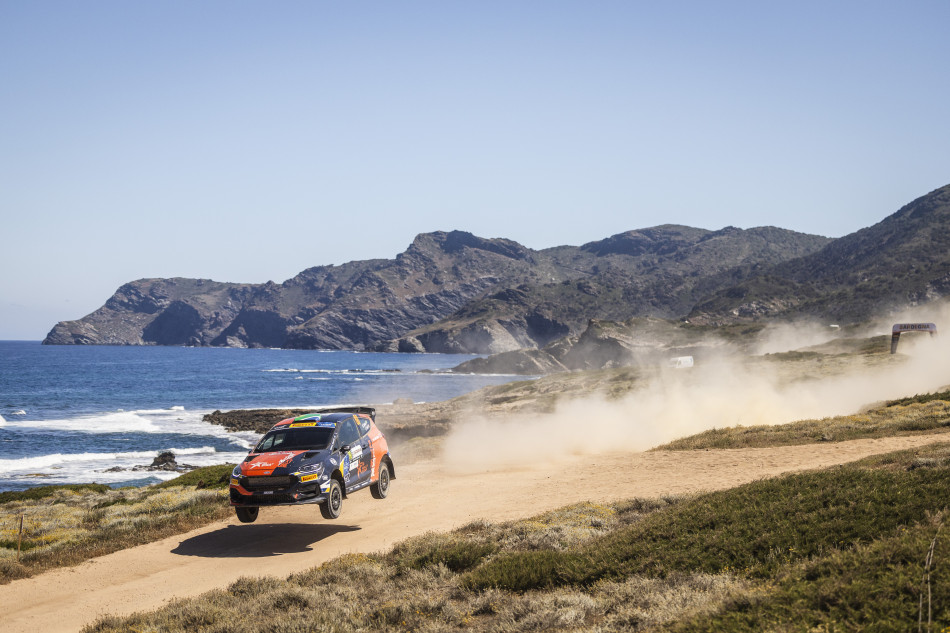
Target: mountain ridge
column 371, row 304
column 452, row 291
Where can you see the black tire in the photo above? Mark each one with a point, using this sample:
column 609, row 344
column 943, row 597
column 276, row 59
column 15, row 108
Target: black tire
column 381, row 488
column 333, row 506
column 246, row 515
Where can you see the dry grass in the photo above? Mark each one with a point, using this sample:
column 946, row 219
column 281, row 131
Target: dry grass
column 70, row 526
column 841, row 549
column 412, row 588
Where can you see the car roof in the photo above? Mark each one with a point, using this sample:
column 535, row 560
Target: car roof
column 316, row 419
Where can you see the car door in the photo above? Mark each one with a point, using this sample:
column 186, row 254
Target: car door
column 367, row 461
column 354, row 473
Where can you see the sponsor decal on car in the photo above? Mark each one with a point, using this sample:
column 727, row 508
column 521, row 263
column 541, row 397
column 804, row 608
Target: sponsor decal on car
column 309, row 477
column 297, row 424
column 235, row 482
column 266, row 462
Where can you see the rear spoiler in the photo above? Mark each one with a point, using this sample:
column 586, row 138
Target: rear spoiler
column 370, row 411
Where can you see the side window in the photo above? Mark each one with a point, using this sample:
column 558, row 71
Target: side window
column 266, row 444
column 349, row 433
column 364, row 425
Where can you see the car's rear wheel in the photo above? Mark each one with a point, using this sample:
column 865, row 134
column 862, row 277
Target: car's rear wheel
column 331, row 508
column 381, row 488
column 246, row 515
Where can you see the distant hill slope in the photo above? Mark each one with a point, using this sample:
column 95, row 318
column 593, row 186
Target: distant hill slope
column 507, row 295
column 904, row 260
column 656, row 272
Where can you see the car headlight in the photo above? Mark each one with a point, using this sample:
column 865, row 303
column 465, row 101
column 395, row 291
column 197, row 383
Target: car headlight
column 312, row 468
column 236, row 473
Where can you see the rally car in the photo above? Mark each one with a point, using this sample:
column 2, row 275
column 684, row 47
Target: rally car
column 319, row 458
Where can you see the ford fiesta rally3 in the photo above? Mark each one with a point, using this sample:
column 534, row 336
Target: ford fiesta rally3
column 315, row 458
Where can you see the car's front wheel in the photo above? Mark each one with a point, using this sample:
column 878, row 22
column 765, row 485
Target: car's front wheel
column 381, row 488
column 331, row 508
column 246, row 515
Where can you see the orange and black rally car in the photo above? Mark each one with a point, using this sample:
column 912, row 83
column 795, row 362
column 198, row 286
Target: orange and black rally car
column 320, row 458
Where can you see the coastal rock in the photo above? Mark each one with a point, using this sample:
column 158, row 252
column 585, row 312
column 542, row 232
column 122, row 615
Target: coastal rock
column 524, row 362
column 164, row 461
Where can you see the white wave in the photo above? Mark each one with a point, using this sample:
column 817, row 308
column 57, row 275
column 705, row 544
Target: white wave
column 2, row 420
column 336, row 372
column 175, row 420
column 168, row 411
column 94, row 467
column 119, row 422
column 19, row 412
column 59, row 461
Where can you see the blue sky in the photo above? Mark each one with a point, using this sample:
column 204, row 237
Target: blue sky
column 246, row 141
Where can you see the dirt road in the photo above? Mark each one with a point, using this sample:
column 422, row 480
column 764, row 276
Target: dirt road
column 424, row 497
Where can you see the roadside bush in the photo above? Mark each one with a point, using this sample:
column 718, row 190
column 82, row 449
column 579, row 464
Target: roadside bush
column 752, row 530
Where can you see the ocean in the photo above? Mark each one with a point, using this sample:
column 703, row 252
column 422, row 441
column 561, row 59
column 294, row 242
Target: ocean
column 69, row 414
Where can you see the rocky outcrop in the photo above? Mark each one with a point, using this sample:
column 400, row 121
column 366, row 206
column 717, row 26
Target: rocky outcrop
column 524, row 362
column 604, row 345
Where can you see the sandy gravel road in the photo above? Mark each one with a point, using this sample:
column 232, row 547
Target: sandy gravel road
column 424, row 497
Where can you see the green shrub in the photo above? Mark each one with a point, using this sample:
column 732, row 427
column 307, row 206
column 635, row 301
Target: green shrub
column 752, row 530
column 218, row 476
column 878, row 586
column 919, row 399
column 455, row 552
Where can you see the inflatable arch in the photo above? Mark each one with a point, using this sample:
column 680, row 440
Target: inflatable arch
column 909, row 327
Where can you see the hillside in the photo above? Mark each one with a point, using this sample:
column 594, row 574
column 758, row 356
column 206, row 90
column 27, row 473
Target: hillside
column 656, row 272
column 904, row 260
column 497, row 294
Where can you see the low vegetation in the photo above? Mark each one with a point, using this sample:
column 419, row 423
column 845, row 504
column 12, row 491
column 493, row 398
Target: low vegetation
column 65, row 525
column 856, row 547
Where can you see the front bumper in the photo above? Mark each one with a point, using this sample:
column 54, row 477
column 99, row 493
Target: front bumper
column 285, row 490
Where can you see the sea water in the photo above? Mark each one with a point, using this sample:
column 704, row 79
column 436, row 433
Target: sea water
column 79, row 414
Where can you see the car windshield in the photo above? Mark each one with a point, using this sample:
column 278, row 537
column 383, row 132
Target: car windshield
column 299, row 439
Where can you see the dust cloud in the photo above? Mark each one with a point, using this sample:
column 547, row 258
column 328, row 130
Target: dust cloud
column 784, row 337
column 719, row 392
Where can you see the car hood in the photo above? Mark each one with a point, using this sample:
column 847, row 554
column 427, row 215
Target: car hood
column 259, row 464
